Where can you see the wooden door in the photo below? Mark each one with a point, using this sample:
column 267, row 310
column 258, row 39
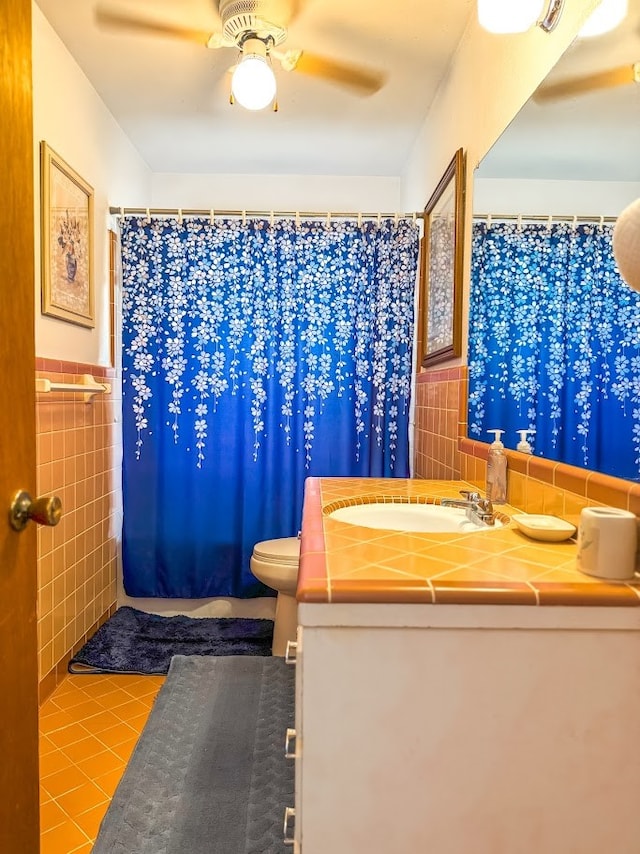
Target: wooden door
column 19, row 825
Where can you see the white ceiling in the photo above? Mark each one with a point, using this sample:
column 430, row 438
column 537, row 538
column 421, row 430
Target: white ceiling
column 171, row 97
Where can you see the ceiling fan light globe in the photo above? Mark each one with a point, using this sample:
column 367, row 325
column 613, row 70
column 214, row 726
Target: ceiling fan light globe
column 253, row 83
column 508, row 16
column 605, row 17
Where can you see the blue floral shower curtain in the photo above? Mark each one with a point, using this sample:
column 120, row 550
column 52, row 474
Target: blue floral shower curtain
column 554, row 344
column 254, row 354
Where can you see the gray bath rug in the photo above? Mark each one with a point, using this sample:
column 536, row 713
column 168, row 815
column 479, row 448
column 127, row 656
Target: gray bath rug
column 208, row 775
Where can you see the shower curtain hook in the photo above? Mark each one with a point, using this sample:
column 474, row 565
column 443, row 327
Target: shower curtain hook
column 179, row 216
column 244, row 217
column 148, row 215
column 489, row 221
column 396, row 219
column 601, row 220
column 272, row 220
column 121, row 212
column 328, row 218
column 574, row 224
column 212, row 215
column 414, row 217
column 359, row 219
column 519, row 222
column 549, row 222
column 379, row 219
column 297, row 219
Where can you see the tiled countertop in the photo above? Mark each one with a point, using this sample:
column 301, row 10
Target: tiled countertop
column 341, row 562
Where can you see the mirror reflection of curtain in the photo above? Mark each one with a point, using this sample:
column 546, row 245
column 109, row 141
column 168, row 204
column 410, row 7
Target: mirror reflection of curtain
column 254, row 355
column 554, row 344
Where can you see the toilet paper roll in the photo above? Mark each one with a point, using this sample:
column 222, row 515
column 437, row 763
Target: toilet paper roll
column 607, row 541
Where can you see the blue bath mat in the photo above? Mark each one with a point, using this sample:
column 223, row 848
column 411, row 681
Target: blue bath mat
column 208, row 773
column 136, row 642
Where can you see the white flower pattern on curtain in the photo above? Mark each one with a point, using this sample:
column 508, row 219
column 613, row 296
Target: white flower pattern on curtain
column 254, row 354
column 554, row 344
column 237, row 296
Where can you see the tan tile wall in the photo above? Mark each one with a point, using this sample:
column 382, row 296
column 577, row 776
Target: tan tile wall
column 78, row 459
column 534, row 485
column 440, row 418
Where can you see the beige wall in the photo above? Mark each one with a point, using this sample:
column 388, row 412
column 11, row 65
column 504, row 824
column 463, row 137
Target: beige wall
column 79, row 572
column 70, row 116
column 279, row 192
column 78, row 444
column 491, row 77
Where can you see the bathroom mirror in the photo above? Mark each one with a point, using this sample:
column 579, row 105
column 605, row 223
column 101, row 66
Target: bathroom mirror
column 570, row 158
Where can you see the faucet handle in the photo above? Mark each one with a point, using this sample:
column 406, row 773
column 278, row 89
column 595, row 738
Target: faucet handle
column 485, row 505
column 470, row 495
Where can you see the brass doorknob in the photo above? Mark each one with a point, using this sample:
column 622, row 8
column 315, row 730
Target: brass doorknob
column 45, row 510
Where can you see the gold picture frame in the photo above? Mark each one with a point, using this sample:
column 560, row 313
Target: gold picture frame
column 442, row 267
column 66, row 240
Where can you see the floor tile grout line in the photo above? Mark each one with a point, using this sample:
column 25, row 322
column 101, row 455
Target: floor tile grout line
column 75, row 764
column 69, row 710
column 72, row 763
column 44, row 713
column 111, row 709
column 56, row 799
column 81, row 724
column 77, row 826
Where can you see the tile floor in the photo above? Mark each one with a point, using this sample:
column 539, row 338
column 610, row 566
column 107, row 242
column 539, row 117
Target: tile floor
column 88, row 729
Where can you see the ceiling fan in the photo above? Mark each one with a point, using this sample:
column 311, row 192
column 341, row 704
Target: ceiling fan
column 256, row 28
column 622, row 75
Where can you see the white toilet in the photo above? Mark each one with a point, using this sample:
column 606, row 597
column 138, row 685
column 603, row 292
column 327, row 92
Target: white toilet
column 275, row 563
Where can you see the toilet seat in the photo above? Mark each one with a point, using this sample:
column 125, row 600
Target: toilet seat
column 285, row 551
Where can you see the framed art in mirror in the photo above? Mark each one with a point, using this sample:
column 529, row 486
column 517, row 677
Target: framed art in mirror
column 441, row 272
column 67, row 241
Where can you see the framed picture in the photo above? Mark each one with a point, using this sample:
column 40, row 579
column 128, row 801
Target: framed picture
column 67, row 241
column 441, row 272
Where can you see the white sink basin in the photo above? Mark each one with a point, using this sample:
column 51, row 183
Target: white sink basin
column 426, row 518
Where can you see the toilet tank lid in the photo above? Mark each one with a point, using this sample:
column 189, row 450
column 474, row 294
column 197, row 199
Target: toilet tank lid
column 286, row 548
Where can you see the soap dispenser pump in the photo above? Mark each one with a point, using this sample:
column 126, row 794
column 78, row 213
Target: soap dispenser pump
column 496, row 470
column 523, row 445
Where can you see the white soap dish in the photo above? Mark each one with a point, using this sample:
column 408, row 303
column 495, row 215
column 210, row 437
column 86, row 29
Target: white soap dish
column 551, row 529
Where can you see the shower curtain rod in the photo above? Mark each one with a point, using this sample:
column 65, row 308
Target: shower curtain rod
column 573, row 218
column 212, row 212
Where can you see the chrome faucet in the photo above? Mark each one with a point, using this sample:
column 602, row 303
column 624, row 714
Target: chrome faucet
column 479, row 510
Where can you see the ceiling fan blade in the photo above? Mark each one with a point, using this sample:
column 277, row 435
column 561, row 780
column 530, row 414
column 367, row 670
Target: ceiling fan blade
column 620, row 76
column 120, row 20
column 365, row 81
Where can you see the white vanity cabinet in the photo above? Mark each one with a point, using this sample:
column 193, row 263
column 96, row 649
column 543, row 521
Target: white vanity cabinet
column 467, row 730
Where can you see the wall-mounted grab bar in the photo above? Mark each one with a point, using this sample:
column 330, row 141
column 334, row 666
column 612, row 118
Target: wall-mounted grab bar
column 88, row 387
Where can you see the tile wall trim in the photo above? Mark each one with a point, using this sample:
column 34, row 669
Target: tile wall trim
column 79, row 368
column 441, row 375
column 595, row 487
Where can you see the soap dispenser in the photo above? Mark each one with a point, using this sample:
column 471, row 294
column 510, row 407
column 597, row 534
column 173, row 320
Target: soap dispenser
column 523, row 445
column 496, row 470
